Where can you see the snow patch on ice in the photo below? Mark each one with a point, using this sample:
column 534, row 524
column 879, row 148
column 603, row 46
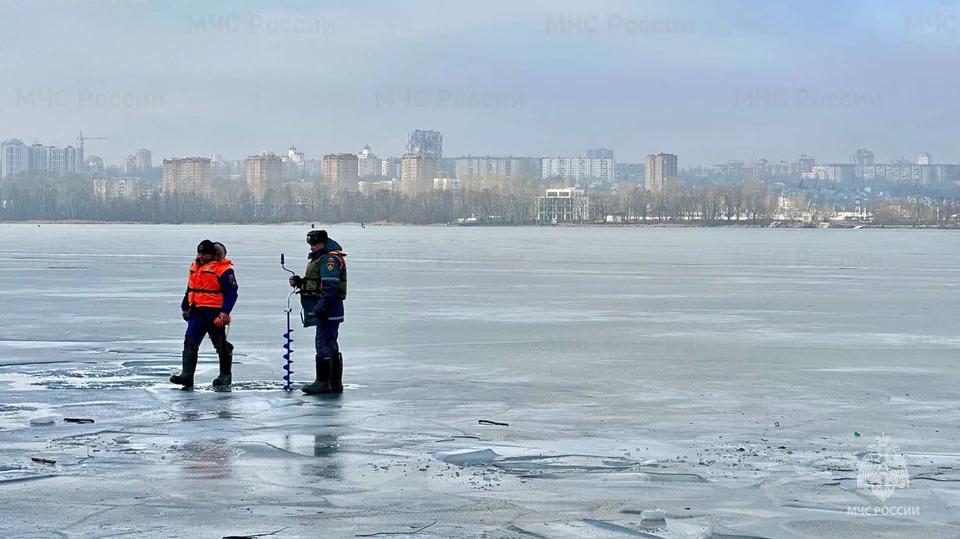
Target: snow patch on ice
column 468, row 457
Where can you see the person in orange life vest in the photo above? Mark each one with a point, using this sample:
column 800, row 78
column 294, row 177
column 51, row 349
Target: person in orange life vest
column 211, row 295
column 323, row 288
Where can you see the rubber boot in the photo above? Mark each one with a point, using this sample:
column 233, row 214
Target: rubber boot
column 190, row 355
column 226, row 366
column 336, row 373
column 322, row 383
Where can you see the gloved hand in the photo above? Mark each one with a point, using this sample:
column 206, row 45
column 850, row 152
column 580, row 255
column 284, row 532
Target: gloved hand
column 186, row 315
column 296, row 281
column 223, row 320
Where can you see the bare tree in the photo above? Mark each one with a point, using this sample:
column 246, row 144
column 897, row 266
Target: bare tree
column 733, row 201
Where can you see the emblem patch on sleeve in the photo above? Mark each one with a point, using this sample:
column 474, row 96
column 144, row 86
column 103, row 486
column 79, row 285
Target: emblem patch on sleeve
column 233, row 281
column 330, row 265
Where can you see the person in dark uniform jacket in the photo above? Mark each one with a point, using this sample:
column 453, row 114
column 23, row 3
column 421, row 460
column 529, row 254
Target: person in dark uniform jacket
column 323, row 288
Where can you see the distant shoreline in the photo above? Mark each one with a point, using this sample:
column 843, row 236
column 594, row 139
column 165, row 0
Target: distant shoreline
column 719, row 225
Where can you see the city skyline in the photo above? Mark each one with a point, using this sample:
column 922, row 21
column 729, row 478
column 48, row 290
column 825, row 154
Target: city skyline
column 705, row 81
column 142, row 159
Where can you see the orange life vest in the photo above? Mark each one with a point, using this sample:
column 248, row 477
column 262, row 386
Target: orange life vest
column 203, row 288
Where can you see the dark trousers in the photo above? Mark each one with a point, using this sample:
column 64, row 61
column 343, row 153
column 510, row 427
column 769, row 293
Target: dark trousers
column 326, row 340
column 200, row 324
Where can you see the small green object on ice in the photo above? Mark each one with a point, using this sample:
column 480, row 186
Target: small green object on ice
column 856, row 434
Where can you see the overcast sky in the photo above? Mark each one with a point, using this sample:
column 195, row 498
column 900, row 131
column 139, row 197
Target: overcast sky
column 708, row 80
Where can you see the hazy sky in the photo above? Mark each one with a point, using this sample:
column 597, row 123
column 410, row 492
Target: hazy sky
column 495, row 77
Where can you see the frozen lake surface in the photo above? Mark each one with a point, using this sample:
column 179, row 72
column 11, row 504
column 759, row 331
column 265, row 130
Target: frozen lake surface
column 738, row 380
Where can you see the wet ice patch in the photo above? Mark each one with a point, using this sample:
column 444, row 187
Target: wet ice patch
column 90, row 376
column 258, row 385
column 100, row 371
column 95, row 385
column 552, row 465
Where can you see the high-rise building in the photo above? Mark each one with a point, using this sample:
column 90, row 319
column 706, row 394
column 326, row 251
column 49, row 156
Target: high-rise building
column 187, row 175
column 291, row 170
column 131, row 168
column 924, row 159
column 368, row 164
column 65, row 161
column 95, row 165
column 447, row 165
column 765, row 169
column 220, row 168
column 40, row 157
column 340, row 172
column 862, row 157
column 423, row 142
column 804, row 165
column 909, row 173
column 507, row 167
column 659, row 168
column 294, row 164
column 14, row 157
column 417, row 173
column 579, row 169
column 264, row 172
column 600, row 153
column 144, row 161
column 17, row 157
column 312, row 168
column 72, row 160
column 391, row 168
column 629, row 172
column 294, row 155
column 841, row 173
column 732, row 169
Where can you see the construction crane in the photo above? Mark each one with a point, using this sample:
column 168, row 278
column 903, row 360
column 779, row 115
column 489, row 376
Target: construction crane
column 82, row 138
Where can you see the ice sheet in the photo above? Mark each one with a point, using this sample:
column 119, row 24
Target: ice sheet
column 722, row 376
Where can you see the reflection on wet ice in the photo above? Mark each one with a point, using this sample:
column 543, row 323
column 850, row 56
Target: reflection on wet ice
column 209, row 459
column 327, row 464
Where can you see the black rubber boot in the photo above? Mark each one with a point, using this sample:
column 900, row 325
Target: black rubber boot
column 336, row 373
column 322, row 384
column 190, row 354
column 225, row 355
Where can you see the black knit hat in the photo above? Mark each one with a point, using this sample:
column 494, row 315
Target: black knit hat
column 206, row 247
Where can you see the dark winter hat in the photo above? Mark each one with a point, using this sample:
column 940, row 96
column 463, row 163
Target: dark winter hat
column 221, row 246
column 206, row 247
column 316, row 236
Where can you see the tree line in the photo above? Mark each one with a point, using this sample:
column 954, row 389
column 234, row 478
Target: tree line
column 37, row 197
column 482, row 200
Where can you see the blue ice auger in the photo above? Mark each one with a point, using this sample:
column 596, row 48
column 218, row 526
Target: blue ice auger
column 288, row 378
